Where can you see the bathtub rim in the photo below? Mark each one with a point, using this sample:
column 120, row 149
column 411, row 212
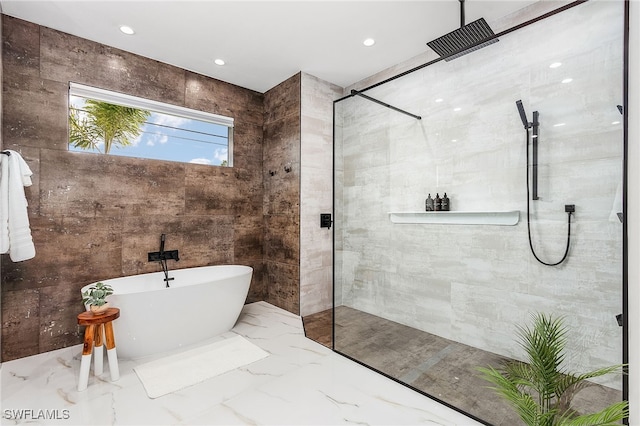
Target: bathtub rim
column 244, row 269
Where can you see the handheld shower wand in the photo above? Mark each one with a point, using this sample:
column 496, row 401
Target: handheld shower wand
column 534, row 145
column 569, row 208
column 523, row 115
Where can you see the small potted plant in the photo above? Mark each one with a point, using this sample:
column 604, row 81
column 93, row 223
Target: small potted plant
column 95, row 297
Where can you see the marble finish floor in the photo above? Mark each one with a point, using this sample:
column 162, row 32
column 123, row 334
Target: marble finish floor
column 301, row 382
column 437, row 366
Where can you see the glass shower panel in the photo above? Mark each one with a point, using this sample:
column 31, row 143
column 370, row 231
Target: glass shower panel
column 427, row 303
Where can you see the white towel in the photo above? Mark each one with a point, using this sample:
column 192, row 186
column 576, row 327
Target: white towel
column 15, row 234
column 4, row 203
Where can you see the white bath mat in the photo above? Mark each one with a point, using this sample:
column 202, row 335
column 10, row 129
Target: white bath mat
column 179, row 371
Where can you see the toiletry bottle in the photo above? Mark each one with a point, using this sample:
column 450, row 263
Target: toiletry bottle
column 445, row 203
column 429, row 204
column 438, row 203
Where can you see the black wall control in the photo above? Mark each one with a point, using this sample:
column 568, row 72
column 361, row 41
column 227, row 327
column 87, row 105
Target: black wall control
column 325, row 220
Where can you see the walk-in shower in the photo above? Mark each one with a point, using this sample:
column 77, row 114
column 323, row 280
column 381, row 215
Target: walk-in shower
column 426, row 297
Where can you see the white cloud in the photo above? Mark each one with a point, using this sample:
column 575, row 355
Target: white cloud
column 152, row 135
column 200, row 161
column 137, row 140
column 220, row 154
column 168, row 120
column 150, row 139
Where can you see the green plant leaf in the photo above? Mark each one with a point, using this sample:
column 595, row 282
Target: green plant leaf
column 522, row 402
column 81, row 133
column 610, row 416
column 570, row 384
column 102, row 122
column 522, row 373
column 96, row 294
column 544, row 345
column 540, row 390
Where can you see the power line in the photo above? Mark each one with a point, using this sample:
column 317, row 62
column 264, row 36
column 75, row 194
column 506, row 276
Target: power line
column 186, row 130
column 187, row 139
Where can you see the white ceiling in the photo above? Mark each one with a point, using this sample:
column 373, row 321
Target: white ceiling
column 264, row 42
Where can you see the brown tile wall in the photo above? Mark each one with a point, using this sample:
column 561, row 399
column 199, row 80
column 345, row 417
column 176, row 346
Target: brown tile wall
column 95, row 217
column 1, row 139
column 282, row 135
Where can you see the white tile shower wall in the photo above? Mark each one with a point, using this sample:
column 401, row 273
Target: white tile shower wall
column 474, row 283
column 316, row 188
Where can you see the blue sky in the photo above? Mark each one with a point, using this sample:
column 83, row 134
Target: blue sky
column 172, row 138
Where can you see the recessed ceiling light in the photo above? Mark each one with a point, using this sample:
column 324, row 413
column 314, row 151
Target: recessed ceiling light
column 555, row 65
column 369, row 42
column 127, row 30
column 219, row 62
column 457, row 109
column 454, row 140
column 559, row 124
column 439, row 100
column 567, row 80
column 615, row 122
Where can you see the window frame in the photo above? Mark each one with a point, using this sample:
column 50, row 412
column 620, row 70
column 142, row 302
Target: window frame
column 117, row 98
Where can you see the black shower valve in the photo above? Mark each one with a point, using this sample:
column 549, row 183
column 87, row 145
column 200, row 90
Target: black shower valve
column 569, row 208
column 325, row 220
column 157, row 256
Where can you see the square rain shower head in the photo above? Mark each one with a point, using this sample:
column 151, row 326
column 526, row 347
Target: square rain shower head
column 464, row 40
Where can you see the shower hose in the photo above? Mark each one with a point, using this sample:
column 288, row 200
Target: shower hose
column 566, row 252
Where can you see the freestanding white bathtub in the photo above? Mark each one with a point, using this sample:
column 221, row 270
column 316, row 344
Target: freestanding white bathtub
column 199, row 304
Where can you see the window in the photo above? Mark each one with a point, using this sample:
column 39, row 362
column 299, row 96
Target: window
column 112, row 123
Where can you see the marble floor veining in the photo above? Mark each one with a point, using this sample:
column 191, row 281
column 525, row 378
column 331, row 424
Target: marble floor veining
column 301, row 382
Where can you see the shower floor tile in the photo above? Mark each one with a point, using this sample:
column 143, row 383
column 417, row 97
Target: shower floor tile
column 300, row 383
column 437, row 366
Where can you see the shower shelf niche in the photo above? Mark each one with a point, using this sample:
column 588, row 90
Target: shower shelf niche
column 508, row 218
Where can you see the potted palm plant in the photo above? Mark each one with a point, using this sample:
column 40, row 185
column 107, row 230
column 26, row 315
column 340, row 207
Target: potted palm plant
column 541, row 390
column 95, row 297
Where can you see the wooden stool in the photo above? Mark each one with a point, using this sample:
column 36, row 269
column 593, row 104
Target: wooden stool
column 97, row 327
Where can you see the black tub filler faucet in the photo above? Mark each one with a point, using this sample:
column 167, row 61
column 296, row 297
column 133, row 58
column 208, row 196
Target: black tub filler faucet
column 162, row 256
